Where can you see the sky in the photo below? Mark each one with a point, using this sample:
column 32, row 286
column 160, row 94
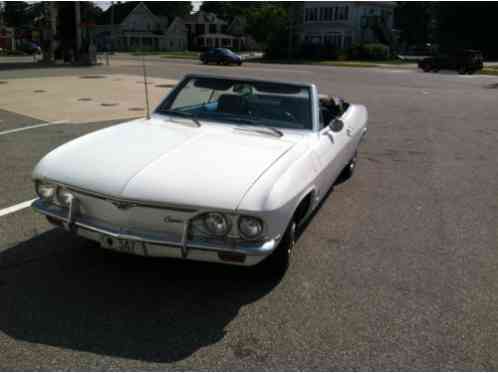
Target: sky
column 106, row 4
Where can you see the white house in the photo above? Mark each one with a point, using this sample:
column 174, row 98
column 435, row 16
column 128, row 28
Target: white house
column 344, row 24
column 141, row 29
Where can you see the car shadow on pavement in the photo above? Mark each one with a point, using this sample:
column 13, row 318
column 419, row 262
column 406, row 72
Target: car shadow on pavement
column 60, row 290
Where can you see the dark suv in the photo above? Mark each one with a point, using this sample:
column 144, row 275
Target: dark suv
column 464, row 61
column 221, row 56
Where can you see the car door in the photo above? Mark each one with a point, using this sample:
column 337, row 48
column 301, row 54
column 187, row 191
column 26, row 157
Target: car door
column 332, row 153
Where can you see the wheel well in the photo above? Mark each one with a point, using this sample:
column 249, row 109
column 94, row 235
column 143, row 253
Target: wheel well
column 303, row 208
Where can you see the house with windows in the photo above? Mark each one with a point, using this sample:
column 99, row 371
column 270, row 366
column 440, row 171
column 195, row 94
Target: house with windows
column 343, row 24
column 206, row 30
column 137, row 28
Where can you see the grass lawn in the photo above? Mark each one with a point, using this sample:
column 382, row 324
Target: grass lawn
column 163, row 54
column 490, row 70
column 186, row 55
column 355, row 63
column 348, row 63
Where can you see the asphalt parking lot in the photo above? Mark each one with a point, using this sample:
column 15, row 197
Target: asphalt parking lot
column 397, row 270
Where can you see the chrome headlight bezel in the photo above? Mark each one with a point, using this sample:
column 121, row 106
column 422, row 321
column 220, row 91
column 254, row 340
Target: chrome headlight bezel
column 242, row 229
column 209, row 228
column 40, row 184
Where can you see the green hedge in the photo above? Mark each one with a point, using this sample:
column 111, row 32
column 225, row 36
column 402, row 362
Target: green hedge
column 370, row 52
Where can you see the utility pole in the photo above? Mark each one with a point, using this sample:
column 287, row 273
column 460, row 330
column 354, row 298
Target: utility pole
column 53, row 29
column 112, row 26
column 291, row 36
column 77, row 20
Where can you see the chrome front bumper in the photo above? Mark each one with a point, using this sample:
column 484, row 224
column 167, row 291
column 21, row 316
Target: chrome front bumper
column 234, row 252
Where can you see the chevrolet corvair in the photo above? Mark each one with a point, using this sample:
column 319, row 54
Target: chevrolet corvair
column 225, row 170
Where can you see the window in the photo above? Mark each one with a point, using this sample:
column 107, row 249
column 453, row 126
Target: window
column 348, row 41
column 242, row 102
column 212, row 28
column 333, row 39
column 199, row 29
column 311, row 14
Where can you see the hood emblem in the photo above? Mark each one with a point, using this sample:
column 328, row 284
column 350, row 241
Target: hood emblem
column 171, row 219
column 122, row 205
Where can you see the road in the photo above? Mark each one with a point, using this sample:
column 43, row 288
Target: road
column 398, row 270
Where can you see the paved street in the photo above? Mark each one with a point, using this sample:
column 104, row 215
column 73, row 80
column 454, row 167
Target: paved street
column 397, row 270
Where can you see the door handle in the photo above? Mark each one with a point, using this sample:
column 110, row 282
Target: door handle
column 349, row 131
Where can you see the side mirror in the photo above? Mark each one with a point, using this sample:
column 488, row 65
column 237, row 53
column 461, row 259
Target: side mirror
column 336, row 125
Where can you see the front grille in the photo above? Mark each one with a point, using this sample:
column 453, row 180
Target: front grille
column 161, row 223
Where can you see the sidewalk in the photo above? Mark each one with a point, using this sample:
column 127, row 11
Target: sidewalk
column 82, row 98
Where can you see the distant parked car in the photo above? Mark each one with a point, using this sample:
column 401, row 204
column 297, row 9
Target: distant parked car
column 221, row 56
column 464, row 61
column 29, row 48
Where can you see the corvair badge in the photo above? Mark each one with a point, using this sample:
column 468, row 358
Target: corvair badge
column 122, row 205
column 171, row 219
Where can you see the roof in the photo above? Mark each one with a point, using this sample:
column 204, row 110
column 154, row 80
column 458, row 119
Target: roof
column 121, row 11
column 203, row 17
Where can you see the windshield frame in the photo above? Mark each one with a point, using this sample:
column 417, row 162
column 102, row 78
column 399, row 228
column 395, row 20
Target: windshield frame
column 167, row 102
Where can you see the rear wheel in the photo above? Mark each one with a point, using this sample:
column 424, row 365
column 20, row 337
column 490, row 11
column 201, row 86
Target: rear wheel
column 462, row 70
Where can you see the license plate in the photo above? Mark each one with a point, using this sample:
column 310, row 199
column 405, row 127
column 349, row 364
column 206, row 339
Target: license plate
column 124, row 246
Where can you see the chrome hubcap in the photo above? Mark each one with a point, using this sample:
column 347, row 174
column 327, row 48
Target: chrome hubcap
column 292, row 237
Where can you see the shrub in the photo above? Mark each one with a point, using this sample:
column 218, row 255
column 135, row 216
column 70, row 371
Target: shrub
column 318, row 51
column 373, row 51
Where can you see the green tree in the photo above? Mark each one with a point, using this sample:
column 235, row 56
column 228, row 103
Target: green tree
column 230, row 9
column 467, row 25
column 415, row 19
column 15, row 13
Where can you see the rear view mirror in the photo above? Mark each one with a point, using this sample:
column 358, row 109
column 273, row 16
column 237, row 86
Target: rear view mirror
column 336, row 125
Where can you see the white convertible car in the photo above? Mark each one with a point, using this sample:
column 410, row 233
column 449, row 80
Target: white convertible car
column 226, row 170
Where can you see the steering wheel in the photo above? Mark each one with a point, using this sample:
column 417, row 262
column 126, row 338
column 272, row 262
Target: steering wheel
column 290, row 116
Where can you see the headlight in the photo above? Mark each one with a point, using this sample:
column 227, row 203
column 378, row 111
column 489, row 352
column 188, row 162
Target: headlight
column 216, row 223
column 45, row 190
column 64, row 196
column 250, row 227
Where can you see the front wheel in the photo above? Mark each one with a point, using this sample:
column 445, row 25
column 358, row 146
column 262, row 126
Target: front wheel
column 426, row 68
column 278, row 262
column 348, row 171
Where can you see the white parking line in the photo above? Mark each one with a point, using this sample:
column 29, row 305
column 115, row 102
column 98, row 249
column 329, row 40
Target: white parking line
column 15, row 208
column 33, row 127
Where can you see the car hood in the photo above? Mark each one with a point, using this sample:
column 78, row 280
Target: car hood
column 165, row 161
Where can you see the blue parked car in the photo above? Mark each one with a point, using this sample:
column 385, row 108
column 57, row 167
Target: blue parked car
column 221, row 56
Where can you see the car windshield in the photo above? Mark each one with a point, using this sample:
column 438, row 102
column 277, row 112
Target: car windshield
column 240, row 102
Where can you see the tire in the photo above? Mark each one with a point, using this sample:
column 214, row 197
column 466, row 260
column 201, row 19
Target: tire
column 348, row 171
column 278, row 262
column 462, row 70
column 427, row 68
column 240, row 63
